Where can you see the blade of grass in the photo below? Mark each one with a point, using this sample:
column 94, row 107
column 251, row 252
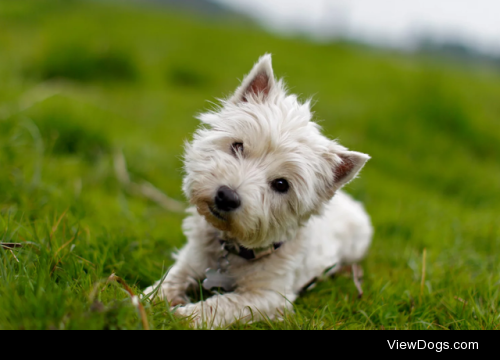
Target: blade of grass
column 134, row 298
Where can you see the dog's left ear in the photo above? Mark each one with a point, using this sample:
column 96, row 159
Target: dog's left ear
column 347, row 165
column 258, row 83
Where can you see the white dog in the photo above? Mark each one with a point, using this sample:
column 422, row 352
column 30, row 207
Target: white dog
column 268, row 215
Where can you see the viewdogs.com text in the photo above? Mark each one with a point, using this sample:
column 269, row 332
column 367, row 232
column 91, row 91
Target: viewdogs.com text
column 429, row 345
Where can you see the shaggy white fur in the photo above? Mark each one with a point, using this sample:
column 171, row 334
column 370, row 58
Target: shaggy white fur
column 260, row 135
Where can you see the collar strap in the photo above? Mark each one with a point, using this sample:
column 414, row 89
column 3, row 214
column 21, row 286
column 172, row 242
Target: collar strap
column 248, row 254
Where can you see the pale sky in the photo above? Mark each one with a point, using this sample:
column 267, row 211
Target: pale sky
column 385, row 22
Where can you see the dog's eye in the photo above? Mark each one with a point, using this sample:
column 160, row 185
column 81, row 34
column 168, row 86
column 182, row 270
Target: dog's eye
column 237, row 147
column 280, row 185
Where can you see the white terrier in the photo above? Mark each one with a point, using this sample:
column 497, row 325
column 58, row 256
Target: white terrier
column 268, row 215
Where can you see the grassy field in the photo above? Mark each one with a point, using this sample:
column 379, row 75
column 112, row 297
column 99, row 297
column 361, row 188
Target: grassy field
column 83, row 81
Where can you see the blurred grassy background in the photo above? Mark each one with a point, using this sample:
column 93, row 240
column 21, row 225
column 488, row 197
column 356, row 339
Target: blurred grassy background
column 81, row 80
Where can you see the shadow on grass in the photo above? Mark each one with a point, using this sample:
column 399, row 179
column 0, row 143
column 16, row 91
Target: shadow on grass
column 82, row 64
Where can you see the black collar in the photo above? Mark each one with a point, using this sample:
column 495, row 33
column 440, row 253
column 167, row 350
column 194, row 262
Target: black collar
column 248, row 254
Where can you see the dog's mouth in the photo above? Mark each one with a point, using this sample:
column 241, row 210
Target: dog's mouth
column 217, row 214
column 212, row 215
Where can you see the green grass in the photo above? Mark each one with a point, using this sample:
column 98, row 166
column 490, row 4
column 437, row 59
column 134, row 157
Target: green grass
column 82, row 80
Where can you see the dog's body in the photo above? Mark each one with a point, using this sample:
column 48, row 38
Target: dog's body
column 263, row 177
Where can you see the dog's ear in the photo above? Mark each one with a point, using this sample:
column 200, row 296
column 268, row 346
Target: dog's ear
column 258, row 83
column 346, row 165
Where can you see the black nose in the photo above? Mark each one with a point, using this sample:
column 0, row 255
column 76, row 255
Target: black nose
column 227, row 199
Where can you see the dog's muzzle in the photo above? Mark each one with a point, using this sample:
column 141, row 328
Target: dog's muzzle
column 227, row 199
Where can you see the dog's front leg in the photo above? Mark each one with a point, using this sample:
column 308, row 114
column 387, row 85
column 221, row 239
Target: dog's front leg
column 188, row 269
column 223, row 310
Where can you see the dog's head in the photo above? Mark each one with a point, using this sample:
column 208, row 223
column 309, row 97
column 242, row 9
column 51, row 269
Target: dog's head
column 260, row 167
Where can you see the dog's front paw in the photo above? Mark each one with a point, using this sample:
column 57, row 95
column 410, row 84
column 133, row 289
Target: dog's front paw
column 202, row 315
column 191, row 313
column 166, row 293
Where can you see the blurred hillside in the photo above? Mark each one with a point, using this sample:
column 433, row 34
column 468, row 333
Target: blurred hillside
column 422, row 42
column 206, row 7
column 84, row 81
column 387, row 23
